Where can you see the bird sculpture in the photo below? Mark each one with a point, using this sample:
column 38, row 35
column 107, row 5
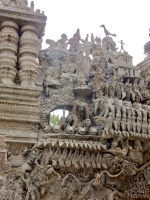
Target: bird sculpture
column 107, row 33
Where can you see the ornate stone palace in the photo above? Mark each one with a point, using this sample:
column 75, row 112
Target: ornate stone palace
column 101, row 150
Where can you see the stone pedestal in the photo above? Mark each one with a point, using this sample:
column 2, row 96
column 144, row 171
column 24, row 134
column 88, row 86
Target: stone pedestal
column 8, row 50
column 19, row 112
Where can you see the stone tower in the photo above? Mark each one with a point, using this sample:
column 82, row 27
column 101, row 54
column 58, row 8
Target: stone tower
column 21, row 30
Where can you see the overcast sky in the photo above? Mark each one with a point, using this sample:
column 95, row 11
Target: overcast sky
column 128, row 19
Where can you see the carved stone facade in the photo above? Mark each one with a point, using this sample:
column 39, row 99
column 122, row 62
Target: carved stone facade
column 21, row 30
column 101, row 149
column 144, row 66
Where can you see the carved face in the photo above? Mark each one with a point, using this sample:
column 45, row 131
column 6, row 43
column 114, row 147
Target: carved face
column 136, row 105
column 70, row 129
column 56, row 128
column 99, row 181
column 93, row 131
column 64, row 37
column 145, row 107
column 104, row 101
column 116, row 102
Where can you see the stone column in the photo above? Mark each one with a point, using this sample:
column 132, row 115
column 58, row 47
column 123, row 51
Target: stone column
column 28, row 53
column 131, row 72
column 8, row 51
column 4, row 165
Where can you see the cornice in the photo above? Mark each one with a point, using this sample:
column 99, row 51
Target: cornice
column 16, row 118
column 16, row 111
column 19, row 90
column 22, row 15
column 19, row 105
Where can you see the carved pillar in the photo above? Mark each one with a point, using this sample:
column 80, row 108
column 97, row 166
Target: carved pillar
column 8, row 50
column 4, row 165
column 28, row 53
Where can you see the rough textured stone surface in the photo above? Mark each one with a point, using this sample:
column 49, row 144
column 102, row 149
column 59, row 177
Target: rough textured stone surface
column 101, row 149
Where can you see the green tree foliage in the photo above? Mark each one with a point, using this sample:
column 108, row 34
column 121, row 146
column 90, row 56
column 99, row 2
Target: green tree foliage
column 54, row 119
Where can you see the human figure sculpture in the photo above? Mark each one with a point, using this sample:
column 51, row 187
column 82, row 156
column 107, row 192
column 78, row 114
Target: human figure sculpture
column 83, row 127
column 133, row 119
column 110, row 121
column 74, row 42
column 99, row 83
column 128, row 90
column 104, row 106
column 111, row 91
column 98, row 108
column 144, row 126
column 122, row 47
column 129, row 124
column 117, row 106
column 118, row 90
column 80, row 78
column 116, row 123
column 124, row 109
column 96, row 49
column 138, row 96
column 144, row 118
column 86, row 46
column 145, row 111
column 81, row 117
column 123, row 124
column 61, row 43
column 127, row 115
column 139, row 116
column 137, row 145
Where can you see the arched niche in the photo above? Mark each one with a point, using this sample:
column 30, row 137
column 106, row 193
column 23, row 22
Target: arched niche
column 59, row 113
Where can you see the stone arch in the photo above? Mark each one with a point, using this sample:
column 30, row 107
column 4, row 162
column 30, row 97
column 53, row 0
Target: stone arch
column 45, row 114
